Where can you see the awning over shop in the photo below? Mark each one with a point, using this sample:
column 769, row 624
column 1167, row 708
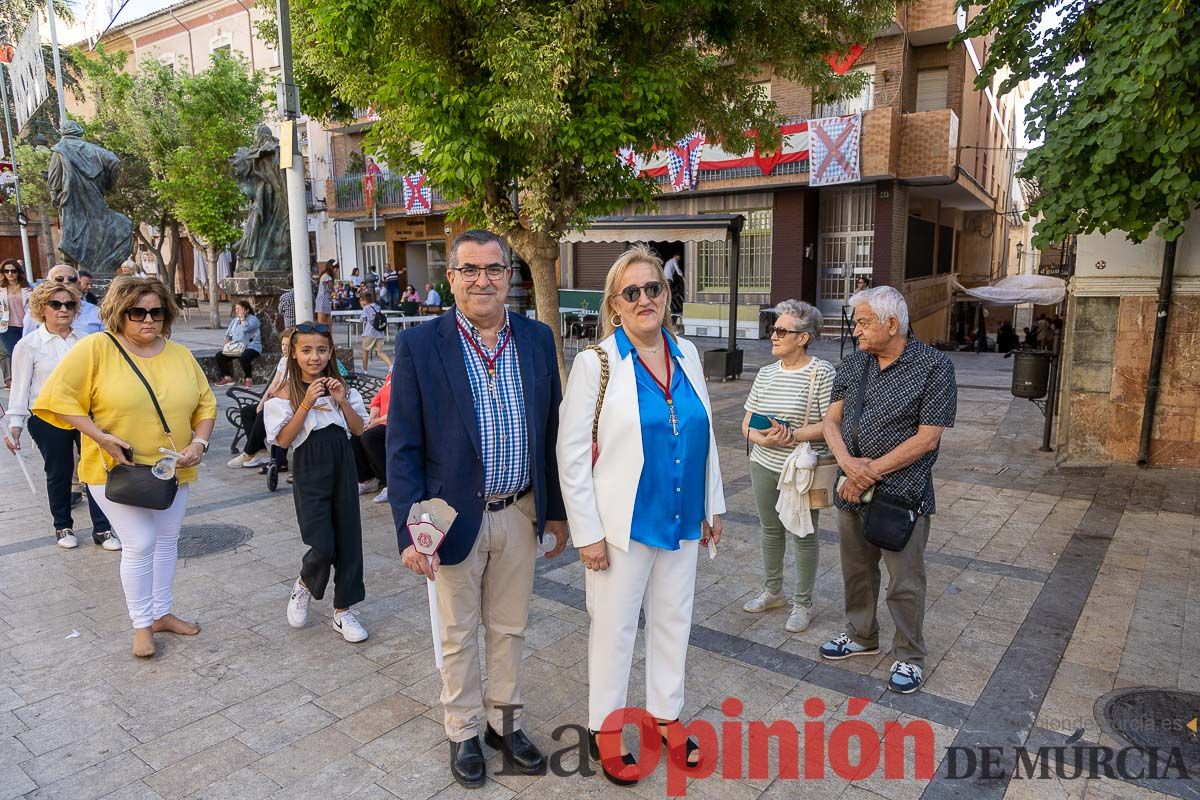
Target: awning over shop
column 655, row 227
column 1015, row 290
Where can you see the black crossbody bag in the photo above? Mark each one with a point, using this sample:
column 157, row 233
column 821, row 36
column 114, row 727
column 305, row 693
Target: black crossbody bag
column 136, row 484
column 889, row 520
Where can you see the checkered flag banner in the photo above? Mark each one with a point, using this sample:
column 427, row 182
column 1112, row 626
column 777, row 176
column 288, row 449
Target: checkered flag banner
column 683, row 162
column 834, row 152
column 418, row 198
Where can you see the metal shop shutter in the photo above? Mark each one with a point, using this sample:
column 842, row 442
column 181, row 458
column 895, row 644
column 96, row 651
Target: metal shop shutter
column 593, row 260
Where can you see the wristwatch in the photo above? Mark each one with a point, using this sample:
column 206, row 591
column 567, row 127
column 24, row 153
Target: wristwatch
column 202, row 442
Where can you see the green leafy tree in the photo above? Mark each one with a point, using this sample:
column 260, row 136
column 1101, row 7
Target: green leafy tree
column 217, row 110
column 1118, row 114
column 517, row 108
column 137, row 117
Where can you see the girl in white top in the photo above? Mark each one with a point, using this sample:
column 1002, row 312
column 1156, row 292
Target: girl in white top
column 315, row 413
column 782, row 391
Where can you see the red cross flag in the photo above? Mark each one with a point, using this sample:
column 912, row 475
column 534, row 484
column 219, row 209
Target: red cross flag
column 418, row 198
column 833, row 150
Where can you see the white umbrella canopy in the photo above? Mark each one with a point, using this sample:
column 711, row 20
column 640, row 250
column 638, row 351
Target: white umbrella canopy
column 1014, row 290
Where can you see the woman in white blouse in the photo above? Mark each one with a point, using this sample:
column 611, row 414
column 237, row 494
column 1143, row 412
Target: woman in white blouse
column 648, row 504
column 55, row 306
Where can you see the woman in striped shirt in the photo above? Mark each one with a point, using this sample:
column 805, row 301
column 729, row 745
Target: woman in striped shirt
column 781, row 391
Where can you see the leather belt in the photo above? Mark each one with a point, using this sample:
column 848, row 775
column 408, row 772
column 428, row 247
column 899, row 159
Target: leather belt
column 501, row 503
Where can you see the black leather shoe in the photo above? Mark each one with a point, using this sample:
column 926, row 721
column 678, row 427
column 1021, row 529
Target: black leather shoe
column 519, row 753
column 627, row 758
column 466, row 763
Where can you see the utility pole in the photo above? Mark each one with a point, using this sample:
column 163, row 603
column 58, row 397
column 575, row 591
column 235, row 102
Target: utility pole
column 58, row 82
column 22, row 220
column 289, row 108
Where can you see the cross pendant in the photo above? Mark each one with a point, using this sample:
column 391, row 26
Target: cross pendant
column 673, row 419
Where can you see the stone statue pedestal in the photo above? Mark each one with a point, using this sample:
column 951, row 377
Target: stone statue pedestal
column 262, row 291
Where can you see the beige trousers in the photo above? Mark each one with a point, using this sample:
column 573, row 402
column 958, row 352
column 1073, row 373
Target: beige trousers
column 492, row 586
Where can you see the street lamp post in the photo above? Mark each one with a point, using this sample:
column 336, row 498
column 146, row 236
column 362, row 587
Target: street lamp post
column 289, row 108
column 22, row 219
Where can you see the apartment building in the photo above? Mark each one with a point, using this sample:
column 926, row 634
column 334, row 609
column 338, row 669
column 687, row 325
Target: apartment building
column 186, row 36
column 936, row 169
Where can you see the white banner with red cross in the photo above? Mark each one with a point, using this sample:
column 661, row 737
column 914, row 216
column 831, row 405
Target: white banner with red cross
column 418, row 198
column 834, row 150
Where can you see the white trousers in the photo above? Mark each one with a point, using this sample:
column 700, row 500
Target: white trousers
column 664, row 582
column 149, row 549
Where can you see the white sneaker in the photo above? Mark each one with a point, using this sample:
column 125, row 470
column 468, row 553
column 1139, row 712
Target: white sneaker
column 238, row 460
column 297, row 609
column 381, row 497
column 798, row 620
column 346, row 623
column 258, row 459
column 366, row 487
column 66, row 538
column 107, row 539
column 765, row 601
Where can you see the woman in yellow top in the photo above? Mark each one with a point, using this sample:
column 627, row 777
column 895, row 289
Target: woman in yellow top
column 94, row 390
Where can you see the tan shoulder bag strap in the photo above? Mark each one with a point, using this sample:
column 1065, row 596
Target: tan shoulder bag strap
column 602, row 354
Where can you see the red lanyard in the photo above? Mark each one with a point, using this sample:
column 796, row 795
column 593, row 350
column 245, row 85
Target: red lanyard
column 490, row 362
column 666, row 388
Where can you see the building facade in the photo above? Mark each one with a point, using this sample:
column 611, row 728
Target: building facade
column 932, row 202
column 187, row 36
column 1109, row 336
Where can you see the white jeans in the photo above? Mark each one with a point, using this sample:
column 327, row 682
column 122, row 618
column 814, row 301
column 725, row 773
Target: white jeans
column 149, row 548
column 666, row 579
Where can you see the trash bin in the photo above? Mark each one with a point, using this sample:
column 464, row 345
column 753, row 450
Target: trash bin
column 723, row 364
column 1031, row 373
column 766, row 321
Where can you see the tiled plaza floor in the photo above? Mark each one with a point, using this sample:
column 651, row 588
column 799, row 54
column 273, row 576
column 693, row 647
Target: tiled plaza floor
column 1047, row 589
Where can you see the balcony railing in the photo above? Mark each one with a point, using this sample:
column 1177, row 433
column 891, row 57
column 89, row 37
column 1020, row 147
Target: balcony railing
column 347, row 193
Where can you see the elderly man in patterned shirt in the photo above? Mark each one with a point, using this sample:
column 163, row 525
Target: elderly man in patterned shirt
column 891, row 401
column 473, row 420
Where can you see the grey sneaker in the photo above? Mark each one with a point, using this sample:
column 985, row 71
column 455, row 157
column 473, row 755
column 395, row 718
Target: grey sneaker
column 764, row 602
column 799, row 619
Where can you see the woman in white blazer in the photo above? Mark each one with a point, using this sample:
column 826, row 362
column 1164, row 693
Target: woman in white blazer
column 639, row 514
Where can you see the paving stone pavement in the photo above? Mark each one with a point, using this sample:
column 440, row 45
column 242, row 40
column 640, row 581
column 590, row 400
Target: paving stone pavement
column 1047, row 589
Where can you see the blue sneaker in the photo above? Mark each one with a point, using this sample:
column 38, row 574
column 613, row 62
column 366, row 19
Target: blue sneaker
column 906, row 678
column 845, row 647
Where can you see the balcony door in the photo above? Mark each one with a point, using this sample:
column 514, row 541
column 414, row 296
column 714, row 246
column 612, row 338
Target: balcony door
column 845, row 245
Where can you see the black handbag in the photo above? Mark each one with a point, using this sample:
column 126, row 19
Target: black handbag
column 889, row 520
column 136, row 484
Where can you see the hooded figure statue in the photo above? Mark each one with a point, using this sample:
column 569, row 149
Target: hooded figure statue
column 265, row 245
column 94, row 236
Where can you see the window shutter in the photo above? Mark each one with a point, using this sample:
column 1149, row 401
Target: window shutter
column 593, row 261
column 931, row 88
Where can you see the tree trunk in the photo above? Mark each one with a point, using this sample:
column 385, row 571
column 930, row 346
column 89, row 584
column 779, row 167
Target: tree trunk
column 172, row 265
column 540, row 249
column 214, row 291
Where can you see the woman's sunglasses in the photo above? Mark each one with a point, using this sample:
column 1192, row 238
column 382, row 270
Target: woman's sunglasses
column 59, row 305
column 10, row 271
column 652, row 289
column 781, row 332
column 139, row 314
column 66, row 279
column 308, row 327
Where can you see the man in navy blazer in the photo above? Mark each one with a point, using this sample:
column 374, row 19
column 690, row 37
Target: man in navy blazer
column 473, row 420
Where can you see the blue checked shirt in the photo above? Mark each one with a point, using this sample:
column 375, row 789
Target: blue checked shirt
column 499, row 410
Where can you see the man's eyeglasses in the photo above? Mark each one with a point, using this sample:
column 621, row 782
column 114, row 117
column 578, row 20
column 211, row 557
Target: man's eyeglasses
column 781, row 332
column 634, row 293
column 139, row 314
column 309, row 327
column 472, row 272
column 59, row 305
column 66, row 279
column 864, row 323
